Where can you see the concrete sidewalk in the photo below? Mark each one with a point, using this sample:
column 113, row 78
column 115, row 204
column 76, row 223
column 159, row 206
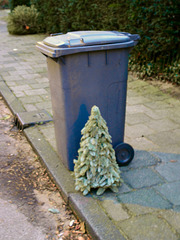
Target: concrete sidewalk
column 147, row 206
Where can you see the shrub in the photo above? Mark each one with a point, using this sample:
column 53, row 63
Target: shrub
column 23, row 20
column 4, row 4
column 15, row 3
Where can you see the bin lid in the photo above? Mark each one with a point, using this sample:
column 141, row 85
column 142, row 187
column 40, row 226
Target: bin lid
column 85, row 38
column 82, row 41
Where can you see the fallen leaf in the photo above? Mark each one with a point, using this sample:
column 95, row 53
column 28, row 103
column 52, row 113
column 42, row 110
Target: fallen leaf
column 66, row 233
column 77, row 227
column 71, row 223
column 77, row 232
column 82, row 227
column 60, row 235
column 53, row 210
column 41, row 203
column 80, row 238
column 173, row 161
column 6, row 117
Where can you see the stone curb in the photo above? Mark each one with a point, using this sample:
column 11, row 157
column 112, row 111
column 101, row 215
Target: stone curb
column 13, row 103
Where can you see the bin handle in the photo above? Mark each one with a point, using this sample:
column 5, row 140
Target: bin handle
column 55, row 34
column 134, row 37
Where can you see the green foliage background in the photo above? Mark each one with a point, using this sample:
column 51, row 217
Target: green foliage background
column 15, row 3
column 156, row 21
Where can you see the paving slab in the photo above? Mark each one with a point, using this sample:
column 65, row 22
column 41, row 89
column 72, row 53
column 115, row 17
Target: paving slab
column 141, row 178
column 116, row 212
column 166, row 157
column 171, row 191
column 136, row 210
column 170, row 171
column 172, row 217
column 177, row 208
column 142, row 159
column 165, row 139
column 137, row 118
column 147, row 227
column 145, row 197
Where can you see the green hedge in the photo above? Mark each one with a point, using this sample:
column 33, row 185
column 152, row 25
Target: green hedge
column 15, row 3
column 158, row 50
column 156, row 21
column 72, row 15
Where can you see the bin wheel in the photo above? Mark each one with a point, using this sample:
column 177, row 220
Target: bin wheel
column 124, row 154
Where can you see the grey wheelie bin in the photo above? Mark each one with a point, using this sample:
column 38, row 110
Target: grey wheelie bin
column 87, row 68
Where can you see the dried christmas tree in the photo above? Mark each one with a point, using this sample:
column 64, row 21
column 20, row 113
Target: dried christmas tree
column 96, row 165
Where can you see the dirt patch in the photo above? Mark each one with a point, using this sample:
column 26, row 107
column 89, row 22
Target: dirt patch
column 25, row 182
column 167, row 87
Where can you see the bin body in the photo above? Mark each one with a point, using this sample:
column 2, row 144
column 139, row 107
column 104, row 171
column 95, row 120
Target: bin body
column 81, row 80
